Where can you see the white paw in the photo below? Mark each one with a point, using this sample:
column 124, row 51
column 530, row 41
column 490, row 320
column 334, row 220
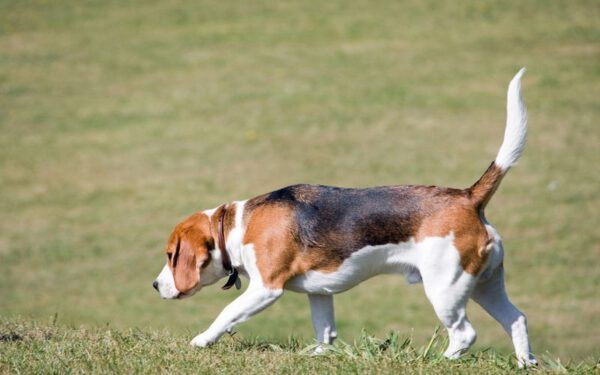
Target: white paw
column 452, row 355
column 321, row 349
column 528, row 361
column 202, row 341
column 318, row 350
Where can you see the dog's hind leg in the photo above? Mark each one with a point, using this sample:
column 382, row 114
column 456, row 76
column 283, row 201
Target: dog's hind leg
column 323, row 319
column 449, row 293
column 491, row 295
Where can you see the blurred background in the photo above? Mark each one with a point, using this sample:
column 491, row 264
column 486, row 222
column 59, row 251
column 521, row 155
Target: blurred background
column 120, row 118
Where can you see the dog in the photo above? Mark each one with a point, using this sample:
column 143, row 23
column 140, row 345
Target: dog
column 323, row 240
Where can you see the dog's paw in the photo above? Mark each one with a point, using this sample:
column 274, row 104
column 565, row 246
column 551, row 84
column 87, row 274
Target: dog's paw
column 319, row 350
column 202, row 341
column 528, row 361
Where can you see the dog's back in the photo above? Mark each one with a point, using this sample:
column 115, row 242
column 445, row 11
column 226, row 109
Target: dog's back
column 336, row 222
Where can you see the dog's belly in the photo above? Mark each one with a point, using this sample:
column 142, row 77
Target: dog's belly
column 370, row 261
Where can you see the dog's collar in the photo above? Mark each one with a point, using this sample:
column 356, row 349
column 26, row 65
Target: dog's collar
column 225, row 259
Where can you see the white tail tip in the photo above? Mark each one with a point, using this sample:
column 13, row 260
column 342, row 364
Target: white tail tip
column 515, row 133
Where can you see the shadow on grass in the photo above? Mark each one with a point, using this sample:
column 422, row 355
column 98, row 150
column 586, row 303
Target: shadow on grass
column 8, row 337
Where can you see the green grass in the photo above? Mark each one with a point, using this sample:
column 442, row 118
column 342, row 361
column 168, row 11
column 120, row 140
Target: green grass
column 33, row 347
column 118, row 119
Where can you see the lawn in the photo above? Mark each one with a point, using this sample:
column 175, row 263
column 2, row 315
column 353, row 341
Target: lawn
column 30, row 347
column 118, row 119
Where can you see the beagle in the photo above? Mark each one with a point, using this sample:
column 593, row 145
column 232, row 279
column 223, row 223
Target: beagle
column 323, row 240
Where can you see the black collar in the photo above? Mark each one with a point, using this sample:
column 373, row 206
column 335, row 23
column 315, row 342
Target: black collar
column 232, row 272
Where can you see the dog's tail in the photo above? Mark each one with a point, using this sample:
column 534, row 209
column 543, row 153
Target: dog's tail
column 512, row 147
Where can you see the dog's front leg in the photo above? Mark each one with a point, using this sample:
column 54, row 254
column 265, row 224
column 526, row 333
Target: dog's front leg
column 255, row 299
column 323, row 319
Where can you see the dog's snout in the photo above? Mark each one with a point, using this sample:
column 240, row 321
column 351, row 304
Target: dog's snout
column 155, row 284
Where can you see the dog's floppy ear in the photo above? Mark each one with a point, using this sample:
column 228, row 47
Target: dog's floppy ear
column 190, row 253
column 186, row 266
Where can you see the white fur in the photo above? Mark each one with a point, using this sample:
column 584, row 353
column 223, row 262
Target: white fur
column 254, row 299
column 491, row 295
column 360, row 266
column 166, row 284
column 236, row 235
column 515, row 133
column 448, row 288
column 210, row 212
column 323, row 319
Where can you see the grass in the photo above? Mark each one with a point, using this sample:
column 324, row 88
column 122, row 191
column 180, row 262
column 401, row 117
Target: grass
column 118, row 119
column 34, row 347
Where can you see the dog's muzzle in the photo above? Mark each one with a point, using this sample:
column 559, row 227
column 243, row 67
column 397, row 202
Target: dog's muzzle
column 165, row 284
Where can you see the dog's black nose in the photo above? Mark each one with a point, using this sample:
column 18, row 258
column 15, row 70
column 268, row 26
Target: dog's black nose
column 155, row 284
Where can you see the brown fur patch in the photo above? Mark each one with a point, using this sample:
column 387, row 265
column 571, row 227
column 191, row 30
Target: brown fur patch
column 269, row 230
column 279, row 257
column 191, row 240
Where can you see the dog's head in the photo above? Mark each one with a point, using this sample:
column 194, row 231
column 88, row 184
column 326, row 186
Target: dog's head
column 189, row 264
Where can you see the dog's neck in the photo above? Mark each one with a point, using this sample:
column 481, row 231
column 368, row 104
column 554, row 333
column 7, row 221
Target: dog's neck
column 233, row 278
